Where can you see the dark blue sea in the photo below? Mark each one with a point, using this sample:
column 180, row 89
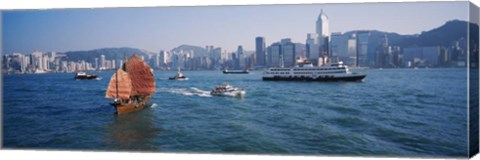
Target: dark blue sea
column 393, row 112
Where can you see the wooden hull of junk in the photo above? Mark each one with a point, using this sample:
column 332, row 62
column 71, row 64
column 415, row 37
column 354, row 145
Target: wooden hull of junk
column 123, row 108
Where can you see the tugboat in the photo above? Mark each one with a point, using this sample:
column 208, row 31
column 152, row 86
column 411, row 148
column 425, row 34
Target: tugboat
column 179, row 76
column 132, row 86
column 245, row 71
column 83, row 75
column 227, row 90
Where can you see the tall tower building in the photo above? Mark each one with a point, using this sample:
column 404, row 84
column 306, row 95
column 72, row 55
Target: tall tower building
column 323, row 34
column 363, row 40
column 241, row 58
column 102, row 62
column 260, row 51
column 312, row 47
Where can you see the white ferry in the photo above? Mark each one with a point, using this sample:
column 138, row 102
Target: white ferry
column 307, row 72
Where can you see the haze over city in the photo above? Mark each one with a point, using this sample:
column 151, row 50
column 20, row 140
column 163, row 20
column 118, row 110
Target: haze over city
column 163, row 28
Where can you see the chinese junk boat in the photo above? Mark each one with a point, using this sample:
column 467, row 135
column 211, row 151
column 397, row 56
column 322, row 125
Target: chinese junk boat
column 132, row 86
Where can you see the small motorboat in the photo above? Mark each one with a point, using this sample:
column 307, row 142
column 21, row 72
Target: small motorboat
column 227, row 90
column 83, row 75
column 226, row 71
column 179, row 76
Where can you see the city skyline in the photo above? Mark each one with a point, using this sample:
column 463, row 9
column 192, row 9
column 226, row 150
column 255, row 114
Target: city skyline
column 83, row 29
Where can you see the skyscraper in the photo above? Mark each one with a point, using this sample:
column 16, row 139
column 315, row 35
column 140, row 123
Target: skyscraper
column 352, row 50
column 260, row 51
column 37, row 59
column 275, row 54
column 363, row 38
column 241, row 57
column 323, row 34
column 287, row 53
column 339, row 47
column 312, row 47
column 102, row 62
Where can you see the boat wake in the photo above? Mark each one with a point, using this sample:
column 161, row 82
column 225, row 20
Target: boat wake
column 153, row 105
column 192, row 91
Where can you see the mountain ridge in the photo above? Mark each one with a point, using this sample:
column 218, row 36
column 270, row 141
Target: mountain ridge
column 442, row 35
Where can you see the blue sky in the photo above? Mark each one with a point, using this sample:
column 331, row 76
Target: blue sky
column 158, row 28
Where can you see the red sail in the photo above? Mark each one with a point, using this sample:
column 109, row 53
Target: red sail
column 141, row 74
column 122, row 79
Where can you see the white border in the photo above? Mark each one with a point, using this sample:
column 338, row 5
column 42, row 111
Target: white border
column 61, row 155
column 49, row 4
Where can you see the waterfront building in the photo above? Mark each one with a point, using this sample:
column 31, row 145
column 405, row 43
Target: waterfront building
column 397, row 59
column 241, row 57
column 37, row 58
column 103, row 62
column 288, row 54
column 363, row 38
column 383, row 54
column 260, row 52
column 339, row 47
column 352, row 51
column 165, row 57
column 96, row 64
column 421, row 56
column 45, row 63
column 312, row 47
column 275, row 54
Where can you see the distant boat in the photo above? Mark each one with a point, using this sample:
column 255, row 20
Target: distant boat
column 226, row 71
column 179, row 76
column 38, row 71
column 227, row 90
column 83, row 75
column 132, row 86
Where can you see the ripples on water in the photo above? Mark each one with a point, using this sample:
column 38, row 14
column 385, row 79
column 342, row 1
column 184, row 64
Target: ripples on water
column 394, row 112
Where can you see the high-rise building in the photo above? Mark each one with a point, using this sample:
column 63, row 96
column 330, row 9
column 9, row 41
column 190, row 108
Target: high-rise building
column 287, row 53
column 103, row 62
column 164, row 57
column 37, row 57
column 323, row 33
column 45, row 62
column 241, row 57
column 421, row 56
column 217, row 56
column 260, row 51
column 363, row 38
column 275, row 54
column 397, row 58
column 339, row 47
column 96, row 64
column 352, row 50
column 312, row 47
column 383, row 55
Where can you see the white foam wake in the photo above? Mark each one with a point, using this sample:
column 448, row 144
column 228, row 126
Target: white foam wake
column 192, row 91
column 153, row 105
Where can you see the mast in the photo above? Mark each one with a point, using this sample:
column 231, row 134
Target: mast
column 116, row 82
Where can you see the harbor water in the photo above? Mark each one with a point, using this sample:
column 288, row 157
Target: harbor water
column 393, row 112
